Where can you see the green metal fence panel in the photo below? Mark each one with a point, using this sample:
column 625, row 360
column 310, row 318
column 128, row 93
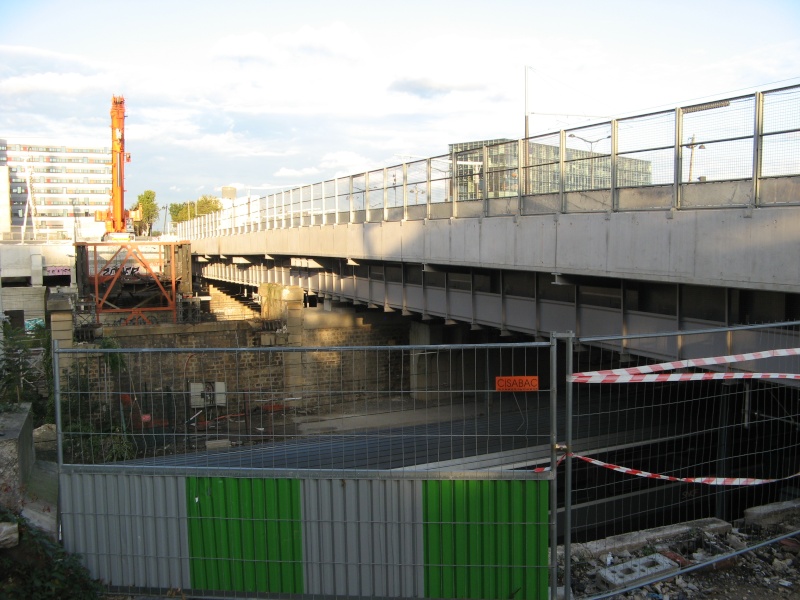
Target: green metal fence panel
column 486, row 539
column 245, row 535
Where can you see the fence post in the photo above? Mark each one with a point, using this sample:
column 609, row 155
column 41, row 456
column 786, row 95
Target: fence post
column 57, row 399
column 569, row 339
column 553, row 466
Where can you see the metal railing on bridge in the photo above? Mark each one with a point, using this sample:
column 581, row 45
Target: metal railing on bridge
column 736, row 152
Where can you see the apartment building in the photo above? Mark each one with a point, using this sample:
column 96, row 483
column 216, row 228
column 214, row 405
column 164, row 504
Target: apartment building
column 53, row 190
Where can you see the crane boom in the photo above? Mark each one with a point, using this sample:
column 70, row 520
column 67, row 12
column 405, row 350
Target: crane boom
column 117, row 208
column 116, row 217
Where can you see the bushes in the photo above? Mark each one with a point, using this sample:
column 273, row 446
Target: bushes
column 26, row 370
column 40, row 568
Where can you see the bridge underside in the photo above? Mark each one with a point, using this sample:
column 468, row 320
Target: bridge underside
column 596, row 275
column 527, row 303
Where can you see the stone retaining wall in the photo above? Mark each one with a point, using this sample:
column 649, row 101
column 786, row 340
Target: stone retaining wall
column 17, row 454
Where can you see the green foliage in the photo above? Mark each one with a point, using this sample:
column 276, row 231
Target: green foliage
column 26, row 372
column 117, row 446
column 175, row 212
column 93, row 423
column 114, row 360
column 150, row 211
column 40, row 568
column 189, row 210
column 16, row 377
column 44, row 410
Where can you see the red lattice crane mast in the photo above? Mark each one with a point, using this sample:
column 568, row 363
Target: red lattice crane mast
column 119, row 222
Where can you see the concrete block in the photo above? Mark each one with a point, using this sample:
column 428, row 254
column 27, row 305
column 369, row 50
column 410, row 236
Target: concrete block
column 639, row 539
column 292, row 294
column 634, row 571
column 217, row 444
column 9, row 535
column 771, row 514
column 45, row 437
column 60, row 303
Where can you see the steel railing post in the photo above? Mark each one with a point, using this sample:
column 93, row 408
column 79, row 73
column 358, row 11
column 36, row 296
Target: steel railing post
column 553, row 467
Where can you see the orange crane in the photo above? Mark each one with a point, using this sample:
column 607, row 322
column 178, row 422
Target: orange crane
column 119, row 222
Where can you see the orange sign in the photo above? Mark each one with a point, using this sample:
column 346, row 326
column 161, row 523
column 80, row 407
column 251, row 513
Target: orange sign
column 518, row 383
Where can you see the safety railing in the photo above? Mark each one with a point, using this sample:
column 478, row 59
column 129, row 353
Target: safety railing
column 735, row 152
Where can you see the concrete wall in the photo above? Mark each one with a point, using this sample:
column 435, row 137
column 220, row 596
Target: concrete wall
column 21, row 261
column 17, row 454
column 28, row 263
column 29, row 299
column 728, row 247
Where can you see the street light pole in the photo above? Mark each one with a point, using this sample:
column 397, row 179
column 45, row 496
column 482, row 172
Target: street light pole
column 692, row 146
column 591, row 153
column 526, row 102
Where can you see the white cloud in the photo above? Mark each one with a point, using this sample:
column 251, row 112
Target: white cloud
column 253, row 93
column 70, row 84
column 303, row 173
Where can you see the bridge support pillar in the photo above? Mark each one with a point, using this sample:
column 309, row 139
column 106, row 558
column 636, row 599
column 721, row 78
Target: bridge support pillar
column 59, row 308
column 426, row 367
column 292, row 297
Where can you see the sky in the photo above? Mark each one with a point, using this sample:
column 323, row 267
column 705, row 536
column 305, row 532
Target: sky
column 264, row 95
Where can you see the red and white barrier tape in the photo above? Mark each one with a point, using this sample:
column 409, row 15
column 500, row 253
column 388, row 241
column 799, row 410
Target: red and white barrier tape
column 646, row 474
column 704, row 480
column 656, row 377
column 560, row 460
column 654, row 373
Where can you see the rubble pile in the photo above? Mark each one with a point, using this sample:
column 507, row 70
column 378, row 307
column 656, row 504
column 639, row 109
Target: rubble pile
column 731, row 572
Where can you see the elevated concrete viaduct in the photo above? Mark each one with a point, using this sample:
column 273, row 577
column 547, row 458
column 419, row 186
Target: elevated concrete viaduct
column 654, row 229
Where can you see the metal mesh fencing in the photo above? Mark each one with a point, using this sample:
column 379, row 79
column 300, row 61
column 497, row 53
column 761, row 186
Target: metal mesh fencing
column 427, row 471
column 387, row 407
column 666, row 459
column 417, row 471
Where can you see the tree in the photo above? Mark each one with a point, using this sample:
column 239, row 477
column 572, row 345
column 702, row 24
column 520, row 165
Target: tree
column 204, row 205
column 18, row 377
column 150, row 210
column 177, row 212
column 26, row 370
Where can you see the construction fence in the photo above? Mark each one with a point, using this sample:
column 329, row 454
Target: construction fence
column 459, row 471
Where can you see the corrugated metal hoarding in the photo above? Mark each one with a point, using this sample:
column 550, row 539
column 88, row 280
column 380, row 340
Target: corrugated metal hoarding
column 411, row 537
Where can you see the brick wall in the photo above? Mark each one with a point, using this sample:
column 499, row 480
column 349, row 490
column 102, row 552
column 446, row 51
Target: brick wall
column 256, row 376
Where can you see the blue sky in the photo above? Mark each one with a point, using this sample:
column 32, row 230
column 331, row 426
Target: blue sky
column 263, row 95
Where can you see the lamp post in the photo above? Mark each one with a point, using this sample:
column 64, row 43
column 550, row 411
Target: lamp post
column 692, row 146
column 526, row 102
column 591, row 152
